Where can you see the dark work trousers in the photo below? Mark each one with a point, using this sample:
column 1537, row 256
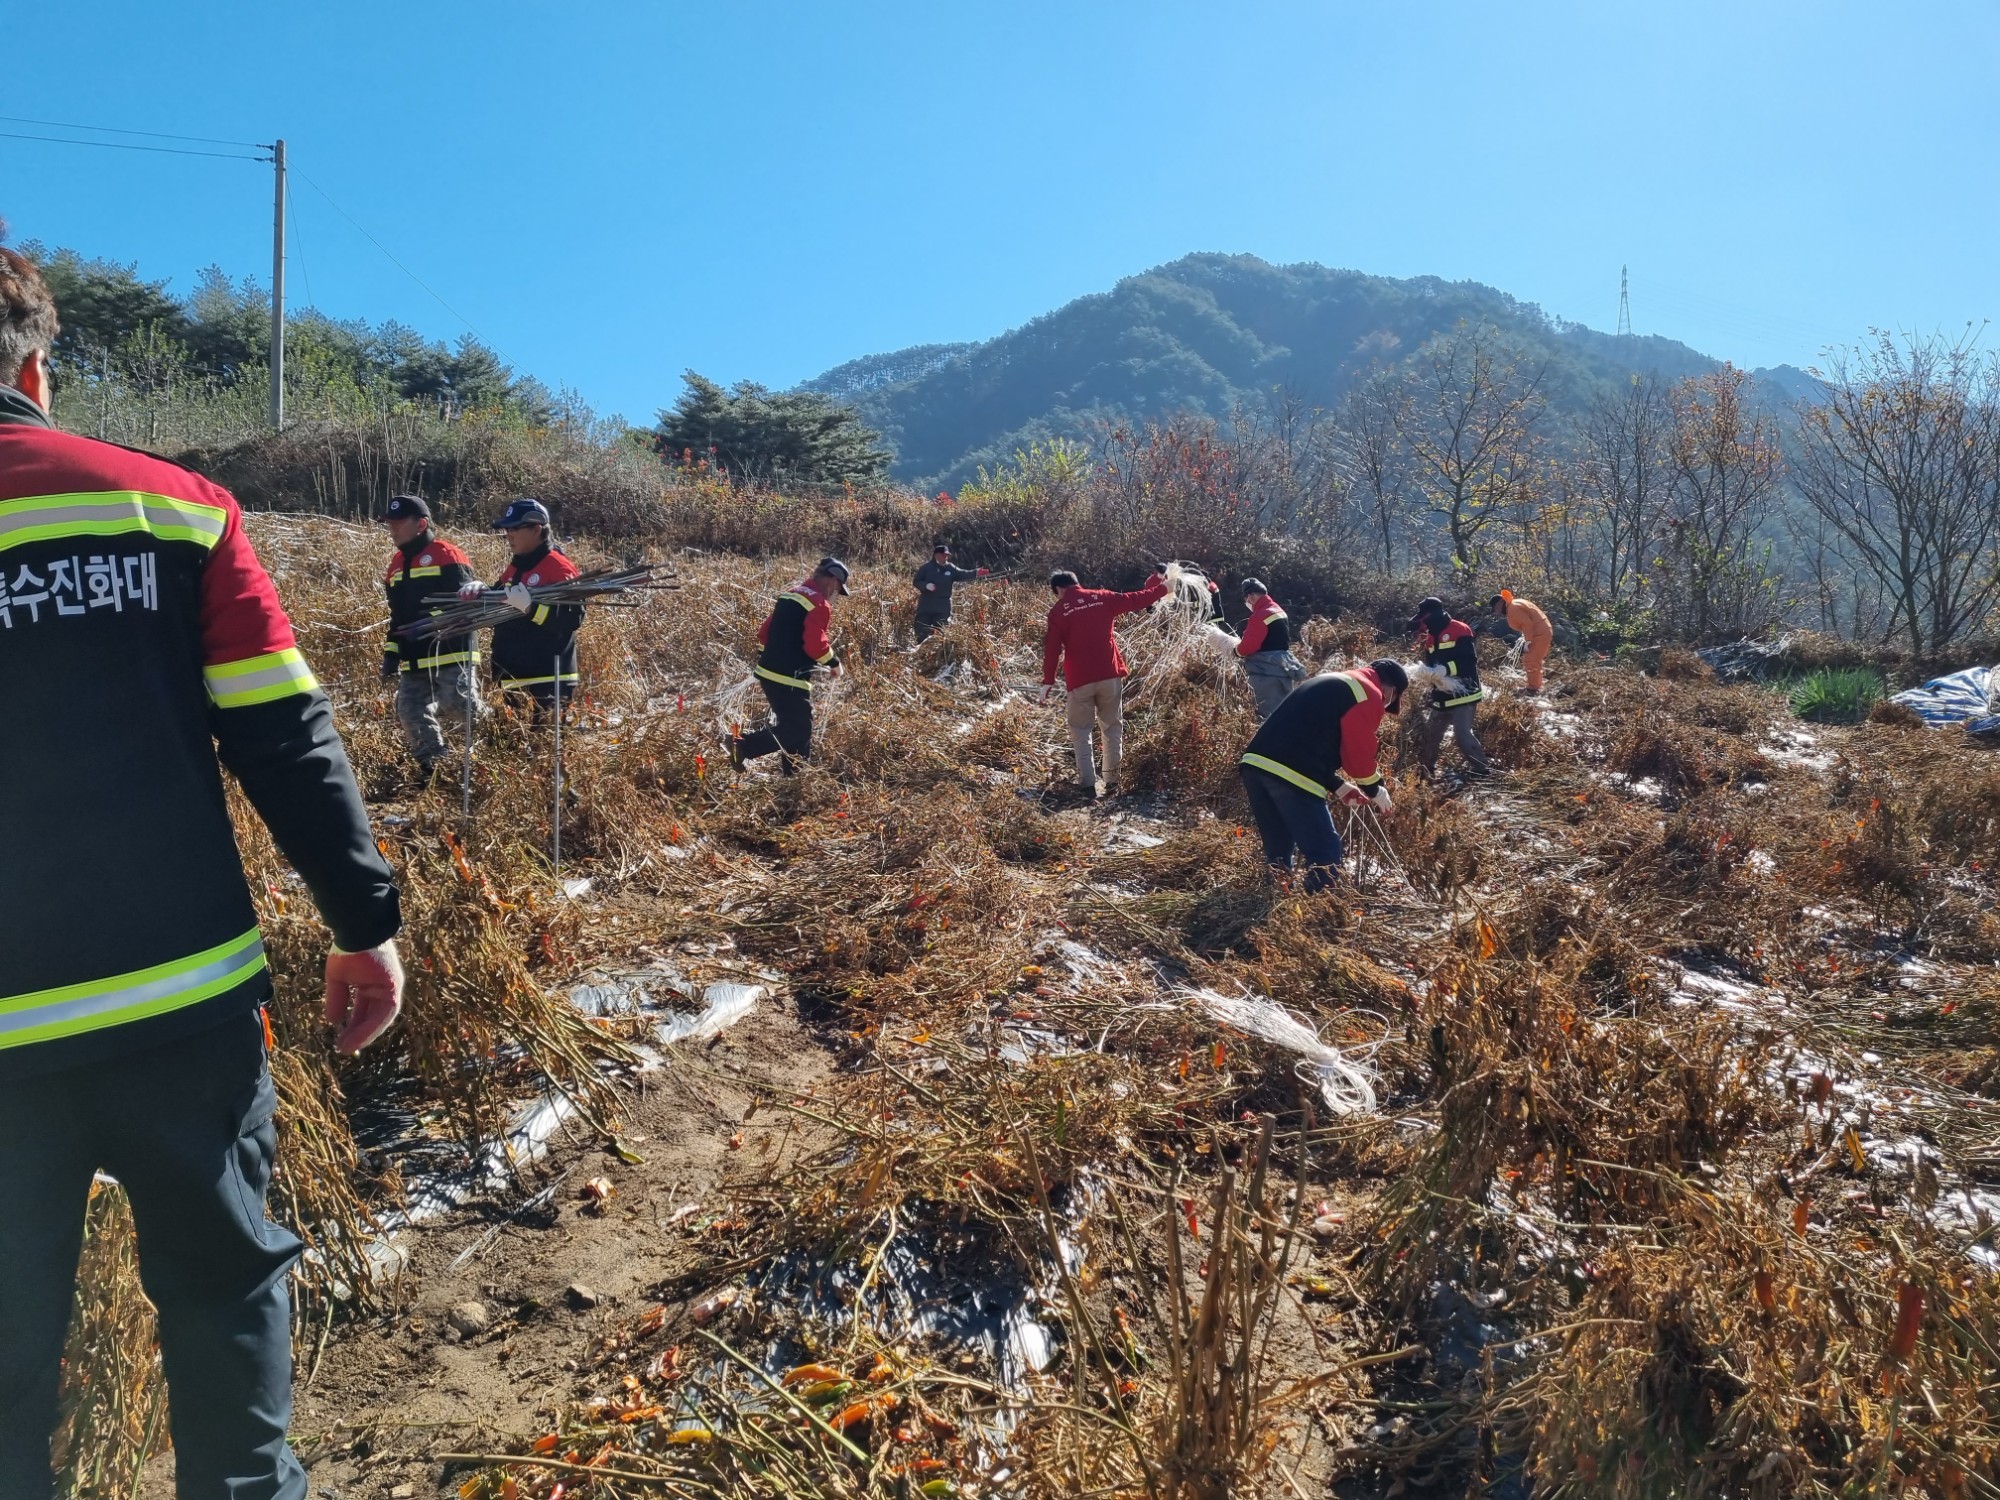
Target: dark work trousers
column 930, row 625
column 1290, row 817
column 1459, row 721
column 187, row 1128
column 790, row 729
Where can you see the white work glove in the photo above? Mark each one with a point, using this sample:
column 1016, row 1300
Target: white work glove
column 519, row 596
column 1351, row 795
column 364, row 993
column 471, row 590
column 1378, row 798
column 930, row 588
column 1046, row 690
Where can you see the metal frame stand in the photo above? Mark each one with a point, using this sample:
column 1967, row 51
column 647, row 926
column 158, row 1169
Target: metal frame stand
column 555, row 812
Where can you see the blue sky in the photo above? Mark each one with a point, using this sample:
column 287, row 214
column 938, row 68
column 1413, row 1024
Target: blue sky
column 614, row 191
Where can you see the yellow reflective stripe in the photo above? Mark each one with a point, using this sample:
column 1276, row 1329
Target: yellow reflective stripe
column 423, row 573
column 1285, row 773
column 258, row 679
column 800, row 599
column 823, row 660
column 1472, row 697
column 1364, row 780
column 515, row 682
column 541, row 614
column 41, row 518
column 444, row 661
column 1354, row 685
column 395, row 646
column 44, row 1015
column 779, row 677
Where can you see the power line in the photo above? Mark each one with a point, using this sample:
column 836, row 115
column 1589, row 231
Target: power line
column 392, row 259
column 15, row 135
column 157, row 135
column 292, row 207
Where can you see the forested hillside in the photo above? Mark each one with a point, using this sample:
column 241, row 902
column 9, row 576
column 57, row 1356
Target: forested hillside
column 1207, row 333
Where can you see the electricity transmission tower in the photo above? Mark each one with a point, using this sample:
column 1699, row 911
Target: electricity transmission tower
column 1624, row 305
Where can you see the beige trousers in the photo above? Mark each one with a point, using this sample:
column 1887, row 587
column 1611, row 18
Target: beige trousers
column 1093, row 704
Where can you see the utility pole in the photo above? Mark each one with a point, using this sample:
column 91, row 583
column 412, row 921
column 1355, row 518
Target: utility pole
column 1624, row 296
column 278, row 290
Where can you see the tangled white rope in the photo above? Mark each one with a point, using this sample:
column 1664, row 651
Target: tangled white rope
column 1343, row 1083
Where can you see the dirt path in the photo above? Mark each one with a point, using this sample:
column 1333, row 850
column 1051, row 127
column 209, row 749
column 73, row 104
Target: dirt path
column 388, row 1393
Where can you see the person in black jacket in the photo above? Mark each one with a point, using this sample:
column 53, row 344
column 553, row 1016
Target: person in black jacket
column 445, row 669
column 138, row 622
column 1319, row 741
column 1451, row 658
column 796, row 641
column 536, row 654
column 933, row 583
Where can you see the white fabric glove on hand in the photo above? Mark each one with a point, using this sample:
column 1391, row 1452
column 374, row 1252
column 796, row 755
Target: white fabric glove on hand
column 1378, row 798
column 364, row 994
column 520, row 598
column 471, row 590
column 1351, row 795
column 930, row 588
column 1046, row 690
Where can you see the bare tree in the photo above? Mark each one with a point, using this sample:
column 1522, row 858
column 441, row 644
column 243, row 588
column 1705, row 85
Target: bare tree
column 1469, row 424
column 1371, row 448
column 1293, row 472
column 1712, row 577
column 1902, row 461
column 1625, row 478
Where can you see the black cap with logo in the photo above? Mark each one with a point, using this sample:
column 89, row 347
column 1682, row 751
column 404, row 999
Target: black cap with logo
column 403, row 507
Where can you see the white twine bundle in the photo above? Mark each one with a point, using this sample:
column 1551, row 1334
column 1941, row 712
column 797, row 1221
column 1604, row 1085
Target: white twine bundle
column 1174, row 632
column 1343, row 1083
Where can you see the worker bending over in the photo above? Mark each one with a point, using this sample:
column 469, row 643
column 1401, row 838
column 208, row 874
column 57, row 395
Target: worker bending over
column 536, row 654
column 444, row 669
column 1450, row 653
column 1325, row 731
column 1266, row 649
column 1080, row 638
column 141, row 626
column 795, row 637
column 1526, row 618
column 933, row 581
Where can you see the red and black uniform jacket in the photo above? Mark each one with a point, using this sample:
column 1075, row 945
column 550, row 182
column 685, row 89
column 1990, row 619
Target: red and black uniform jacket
column 1079, row 633
column 795, row 637
column 429, row 565
column 1455, row 649
column 1324, row 729
column 526, row 651
column 1268, row 629
column 140, row 641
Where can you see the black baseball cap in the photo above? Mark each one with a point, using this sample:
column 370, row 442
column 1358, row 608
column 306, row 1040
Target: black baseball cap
column 1254, row 586
column 402, row 507
column 522, row 512
column 941, row 547
column 833, row 567
column 1425, row 609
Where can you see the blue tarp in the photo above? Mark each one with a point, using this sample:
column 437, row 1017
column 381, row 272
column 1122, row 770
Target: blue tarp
column 1962, row 698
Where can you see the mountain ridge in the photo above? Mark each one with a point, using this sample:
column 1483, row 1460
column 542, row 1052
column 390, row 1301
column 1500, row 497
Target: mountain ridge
column 1210, row 332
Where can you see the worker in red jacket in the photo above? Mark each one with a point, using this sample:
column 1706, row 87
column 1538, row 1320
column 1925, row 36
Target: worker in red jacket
column 444, row 669
column 796, row 639
column 1079, row 637
column 1451, row 664
column 1266, row 649
column 534, row 656
column 1325, row 732
column 140, row 626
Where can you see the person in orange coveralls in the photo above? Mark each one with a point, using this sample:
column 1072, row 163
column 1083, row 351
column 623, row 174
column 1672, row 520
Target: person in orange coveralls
column 1526, row 617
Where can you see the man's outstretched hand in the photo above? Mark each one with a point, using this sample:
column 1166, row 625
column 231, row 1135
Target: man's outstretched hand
column 364, row 993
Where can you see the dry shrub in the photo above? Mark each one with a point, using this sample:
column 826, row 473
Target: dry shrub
column 1511, row 730
column 1187, row 737
column 1338, row 643
column 1893, row 715
column 1678, row 664
column 113, row 1393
